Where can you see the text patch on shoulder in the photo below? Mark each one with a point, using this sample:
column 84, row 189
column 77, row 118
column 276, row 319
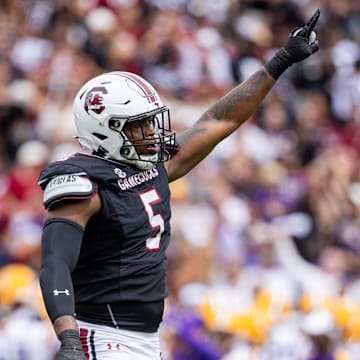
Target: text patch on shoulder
column 68, row 186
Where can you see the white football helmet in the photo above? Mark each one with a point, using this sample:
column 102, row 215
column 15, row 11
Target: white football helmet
column 106, row 103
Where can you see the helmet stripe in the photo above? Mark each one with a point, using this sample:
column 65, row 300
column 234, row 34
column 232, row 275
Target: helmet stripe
column 143, row 85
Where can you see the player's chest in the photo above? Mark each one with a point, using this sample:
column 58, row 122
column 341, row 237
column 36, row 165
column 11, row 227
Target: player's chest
column 138, row 200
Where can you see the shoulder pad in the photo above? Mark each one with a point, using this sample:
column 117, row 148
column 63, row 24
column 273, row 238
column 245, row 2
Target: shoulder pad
column 59, row 168
column 66, row 187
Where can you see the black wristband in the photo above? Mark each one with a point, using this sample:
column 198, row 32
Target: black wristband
column 278, row 64
column 70, row 339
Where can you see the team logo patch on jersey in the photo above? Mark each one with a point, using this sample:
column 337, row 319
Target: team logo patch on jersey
column 120, row 173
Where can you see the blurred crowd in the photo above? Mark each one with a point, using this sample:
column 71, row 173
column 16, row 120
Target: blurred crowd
column 264, row 261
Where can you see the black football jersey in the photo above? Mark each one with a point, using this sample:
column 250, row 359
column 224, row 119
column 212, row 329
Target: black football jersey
column 123, row 252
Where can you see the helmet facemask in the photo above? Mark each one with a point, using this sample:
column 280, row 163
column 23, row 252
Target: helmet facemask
column 134, row 148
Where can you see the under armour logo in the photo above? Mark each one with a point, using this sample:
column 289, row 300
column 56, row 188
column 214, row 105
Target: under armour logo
column 120, row 173
column 57, row 292
column 113, row 346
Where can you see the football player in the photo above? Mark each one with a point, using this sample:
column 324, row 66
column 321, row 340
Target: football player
column 103, row 273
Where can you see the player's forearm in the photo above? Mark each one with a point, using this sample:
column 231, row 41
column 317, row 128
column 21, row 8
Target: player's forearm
column 241, row 102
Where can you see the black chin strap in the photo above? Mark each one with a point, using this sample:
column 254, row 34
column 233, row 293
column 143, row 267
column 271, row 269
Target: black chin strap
column 100, row 152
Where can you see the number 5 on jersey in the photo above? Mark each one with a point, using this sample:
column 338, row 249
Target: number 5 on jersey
column 149, row 198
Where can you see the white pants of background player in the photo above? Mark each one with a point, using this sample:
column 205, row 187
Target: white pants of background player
column 107, row 343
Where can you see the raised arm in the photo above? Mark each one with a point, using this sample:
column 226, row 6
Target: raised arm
column 219, row 121
column 233, row 109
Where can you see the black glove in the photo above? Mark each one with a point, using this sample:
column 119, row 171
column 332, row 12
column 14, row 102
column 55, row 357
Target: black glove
column 301, row 44
column 71, row 348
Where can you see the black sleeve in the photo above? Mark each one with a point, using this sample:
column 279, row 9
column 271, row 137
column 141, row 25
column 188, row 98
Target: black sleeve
column 61, row 242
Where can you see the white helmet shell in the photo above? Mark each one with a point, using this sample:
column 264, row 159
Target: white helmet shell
column 105, row 103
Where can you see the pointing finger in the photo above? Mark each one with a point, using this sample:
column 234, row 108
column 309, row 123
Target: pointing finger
column 312, row 22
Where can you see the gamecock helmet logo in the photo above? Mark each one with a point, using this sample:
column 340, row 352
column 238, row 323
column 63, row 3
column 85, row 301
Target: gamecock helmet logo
column 94, row 100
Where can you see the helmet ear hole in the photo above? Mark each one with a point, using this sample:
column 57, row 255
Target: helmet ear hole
column 114, row 123
column 125, row 151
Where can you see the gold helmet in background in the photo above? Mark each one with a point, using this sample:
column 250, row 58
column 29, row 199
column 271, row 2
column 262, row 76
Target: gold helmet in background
column 19, row 285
